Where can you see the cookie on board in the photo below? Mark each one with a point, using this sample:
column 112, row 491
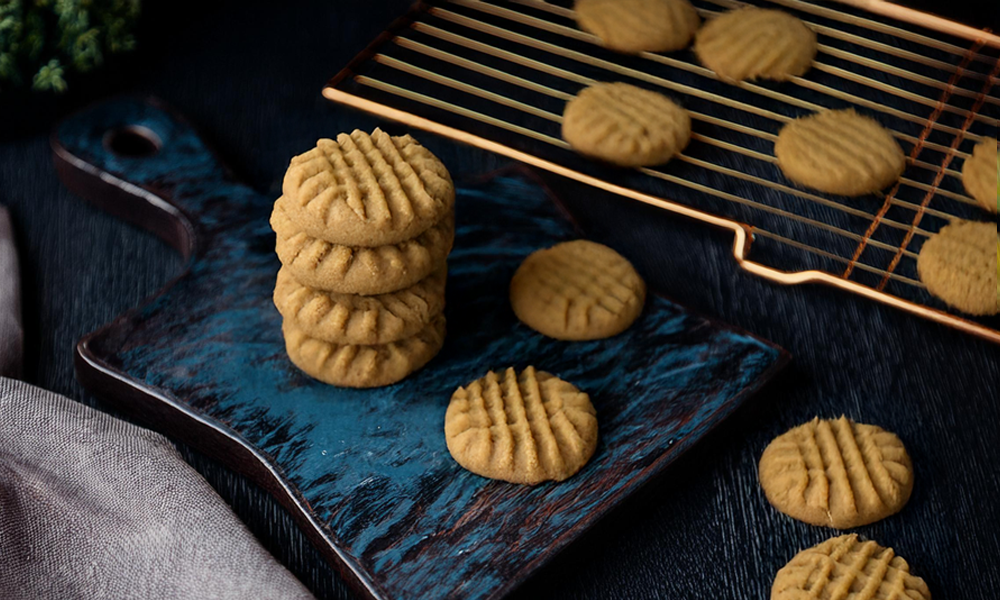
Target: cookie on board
column 522, row 428
column 577, row 291
column 959, row 265
column 756, row 43
column 837, row 473
column 625, row 125
column 839, row 152
column 979, row 174
column 360, row 320
column 634, row 26
column 322, row 265
column 847, row 568
column 367, row 190
column 354, row 366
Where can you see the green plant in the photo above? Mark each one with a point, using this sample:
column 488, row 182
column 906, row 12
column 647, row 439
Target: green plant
column 43, row 41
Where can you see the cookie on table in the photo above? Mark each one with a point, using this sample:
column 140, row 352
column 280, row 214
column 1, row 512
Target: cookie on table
column 756, row 43
column 625, row 125
column 847, row 568
column 634, row 26
column 979, row 174
column 837, row 473
column 959, row 266
column 839, row 152
column 357, row 366
column 367, row 190
column 326, row 266
column 523, row 428
column 360, row 320
column 577, row 291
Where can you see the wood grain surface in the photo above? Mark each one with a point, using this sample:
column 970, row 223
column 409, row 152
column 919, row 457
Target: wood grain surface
column 250, row 76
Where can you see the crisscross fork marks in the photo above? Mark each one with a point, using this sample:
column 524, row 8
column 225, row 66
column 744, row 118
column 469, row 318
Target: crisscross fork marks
column 625, row 125
column 751, row 42
column 845, row 568
column 582, row 284
column 837, row 473
column 839, row 152
column 525, row 428
column 367, row 190
column 950, row 156
column 577, row 290
column 639, row 25
column 914, row 155
column 368, row 169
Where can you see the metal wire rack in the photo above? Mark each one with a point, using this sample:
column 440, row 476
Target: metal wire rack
column 496, row 74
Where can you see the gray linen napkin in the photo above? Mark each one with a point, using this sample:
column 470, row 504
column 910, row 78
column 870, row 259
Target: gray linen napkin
column 11, row 334
column 92, row 507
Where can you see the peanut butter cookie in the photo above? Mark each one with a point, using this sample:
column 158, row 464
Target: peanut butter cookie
column 577, row 291
column 839, row 152
column 634, row 26
column 367, row 190
column 959, row 266
column 360, row 270
column 626, row 125
column 525, row 428
column 837, row 473
column 756, row 43
column 845, row 568
column 360, row 320
column 354, row 366
column 979, row 174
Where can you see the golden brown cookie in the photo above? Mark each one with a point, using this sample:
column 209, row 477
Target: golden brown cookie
column 625, row 125
column 347, row 365
column 845, row 568
column 577, row 291
column 839, row 152
column 959, row 266
column 979, row 174
column 756, row 43
column 525, row 428
column 837, row 473
column 362, row 320
column 357, row 270
column 367, row 190
column 634, row 26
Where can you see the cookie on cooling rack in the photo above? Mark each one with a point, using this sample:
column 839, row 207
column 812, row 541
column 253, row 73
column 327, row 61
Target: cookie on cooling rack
column 979, row 174
column 837, row 473
column 362, row 320
column 625, row 125
column 839, row 152
column 634, row 26
column 756, row 43
column 322, row 265
column 577, row 291
column 356, row 366
column 523, row 428
column 959, row 266
column 846, row 567
column 367, row 190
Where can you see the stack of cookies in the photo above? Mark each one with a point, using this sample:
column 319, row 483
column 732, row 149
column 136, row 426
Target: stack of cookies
column 364, row 228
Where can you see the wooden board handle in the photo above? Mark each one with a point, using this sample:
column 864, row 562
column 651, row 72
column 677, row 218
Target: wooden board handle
column 139, row 160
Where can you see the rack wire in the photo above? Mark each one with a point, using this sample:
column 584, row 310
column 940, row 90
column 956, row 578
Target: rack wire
column 497, row 73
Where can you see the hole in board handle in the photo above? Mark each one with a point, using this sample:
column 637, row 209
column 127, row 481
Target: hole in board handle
column 132, row 141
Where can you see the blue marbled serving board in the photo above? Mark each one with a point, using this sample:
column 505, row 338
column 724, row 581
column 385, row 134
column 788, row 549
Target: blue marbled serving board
column 367, row 472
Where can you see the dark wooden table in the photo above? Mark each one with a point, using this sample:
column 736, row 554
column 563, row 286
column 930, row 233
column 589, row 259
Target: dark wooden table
column 248, row 75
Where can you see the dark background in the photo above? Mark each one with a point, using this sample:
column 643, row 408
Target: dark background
column 248, row 74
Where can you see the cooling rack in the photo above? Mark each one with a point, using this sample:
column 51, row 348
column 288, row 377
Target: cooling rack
column 497, row 74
